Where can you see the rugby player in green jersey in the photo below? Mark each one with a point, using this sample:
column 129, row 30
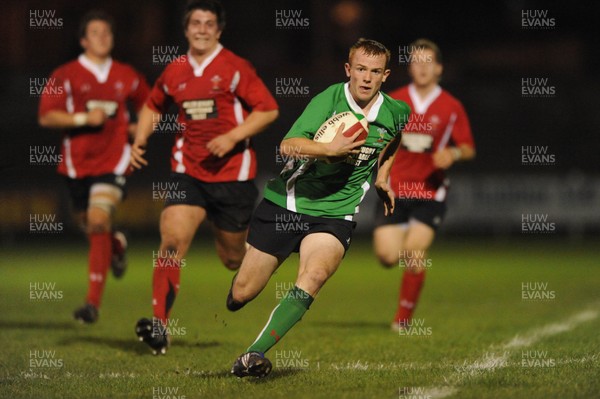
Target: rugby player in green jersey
column 309, row 207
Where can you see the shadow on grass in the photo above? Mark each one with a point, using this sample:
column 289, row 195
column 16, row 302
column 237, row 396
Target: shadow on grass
column 352, row 324
column 132, row 344
column 226, row 374
column 38, row 325
column 275, row 375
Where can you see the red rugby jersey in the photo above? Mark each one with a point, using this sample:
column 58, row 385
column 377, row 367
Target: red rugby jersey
column 80, row 86
column 436, row 122
column 212, row 98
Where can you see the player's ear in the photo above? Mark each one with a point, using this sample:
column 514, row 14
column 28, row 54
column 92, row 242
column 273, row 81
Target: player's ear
column 386, row 73
column 439, row 68
column 83, row 43
column 347, row 68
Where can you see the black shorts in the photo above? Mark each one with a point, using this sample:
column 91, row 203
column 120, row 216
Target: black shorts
column 228, row 205
column 429, row 212
column 279, row 232
column 79, row 189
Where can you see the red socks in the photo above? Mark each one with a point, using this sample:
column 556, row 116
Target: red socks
column 165, row 285
column 99, row 262
column 409, row 295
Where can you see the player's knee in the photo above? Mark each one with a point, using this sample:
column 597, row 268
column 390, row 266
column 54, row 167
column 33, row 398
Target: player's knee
column 232, row 264
column 232, row 261
column 388, row 260
column 231, row 255
column 317, row 277
column 171, row 247
column 98, row 222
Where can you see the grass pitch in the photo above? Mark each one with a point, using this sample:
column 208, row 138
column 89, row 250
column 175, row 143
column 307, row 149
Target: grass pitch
column 475, row 336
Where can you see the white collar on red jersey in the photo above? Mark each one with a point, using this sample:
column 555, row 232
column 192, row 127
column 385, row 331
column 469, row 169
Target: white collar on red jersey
column 199, row 68
column 357, row 109
column 100, row 71
column 421, row 105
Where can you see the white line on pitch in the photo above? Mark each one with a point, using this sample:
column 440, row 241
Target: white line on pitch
column 492, row 361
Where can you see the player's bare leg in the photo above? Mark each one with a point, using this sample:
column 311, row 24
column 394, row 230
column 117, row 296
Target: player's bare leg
column 102, row 202
column 388, row 242
column 320, row 256
column 418, row 239
column 231, row 247
column 253, row 276
column 178, row 224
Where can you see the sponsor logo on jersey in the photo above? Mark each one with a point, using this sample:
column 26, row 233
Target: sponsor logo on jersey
column 200, row 109
column 109, row 107
column 416, row 142
column 366, row 154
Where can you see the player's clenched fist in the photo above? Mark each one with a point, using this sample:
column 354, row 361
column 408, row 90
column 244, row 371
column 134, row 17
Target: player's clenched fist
column 443, row 159
column 96, row 117
column 221, row 145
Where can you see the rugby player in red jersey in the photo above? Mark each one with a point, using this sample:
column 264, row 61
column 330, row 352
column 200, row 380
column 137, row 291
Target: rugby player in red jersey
column 86, row 99
column 436, row 136
column 221, row 104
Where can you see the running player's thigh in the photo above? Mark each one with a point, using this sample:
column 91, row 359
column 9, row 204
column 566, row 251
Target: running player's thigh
column 388, row 241
column 256, row 270
column 320, row 256
column 178, row 224
column 419, row 236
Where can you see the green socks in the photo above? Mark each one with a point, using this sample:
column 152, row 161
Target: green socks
column 289, row 311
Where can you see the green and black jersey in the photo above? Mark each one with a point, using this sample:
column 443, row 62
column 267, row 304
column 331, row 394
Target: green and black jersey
column 314, row 187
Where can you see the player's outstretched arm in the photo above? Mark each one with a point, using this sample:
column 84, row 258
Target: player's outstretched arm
column 145, row 128
column 386, row 160
column 341, row 145
column 58, row 119
column 255, row 122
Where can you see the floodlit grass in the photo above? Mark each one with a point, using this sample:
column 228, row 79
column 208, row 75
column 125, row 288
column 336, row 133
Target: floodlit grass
column 471, row 306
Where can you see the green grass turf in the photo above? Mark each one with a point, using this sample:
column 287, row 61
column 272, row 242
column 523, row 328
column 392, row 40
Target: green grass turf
column 471, row 304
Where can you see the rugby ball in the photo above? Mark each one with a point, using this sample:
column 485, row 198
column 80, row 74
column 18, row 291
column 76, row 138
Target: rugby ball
column 352, row 124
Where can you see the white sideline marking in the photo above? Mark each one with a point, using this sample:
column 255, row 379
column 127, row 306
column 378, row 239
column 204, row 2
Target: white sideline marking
column 492, row 362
